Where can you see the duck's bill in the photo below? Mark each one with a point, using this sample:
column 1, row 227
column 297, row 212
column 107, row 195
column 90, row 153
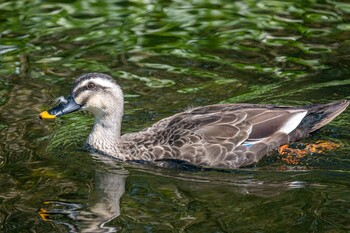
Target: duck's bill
column 63, row 108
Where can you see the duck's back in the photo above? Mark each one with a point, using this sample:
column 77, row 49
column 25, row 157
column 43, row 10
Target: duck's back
column 227, row 135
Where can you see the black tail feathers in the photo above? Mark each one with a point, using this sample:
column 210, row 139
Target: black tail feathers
column 321, row 114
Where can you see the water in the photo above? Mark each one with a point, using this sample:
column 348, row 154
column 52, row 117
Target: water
column 168, row 55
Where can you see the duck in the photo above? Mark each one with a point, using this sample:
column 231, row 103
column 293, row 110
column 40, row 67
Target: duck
column 225, row 136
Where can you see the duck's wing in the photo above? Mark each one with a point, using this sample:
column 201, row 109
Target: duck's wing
column 220, row 135
column 234, row 136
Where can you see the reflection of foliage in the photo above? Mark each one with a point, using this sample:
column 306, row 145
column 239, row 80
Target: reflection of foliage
column 4, row 92
column 277, row 91
column 71, row 133
column 277, row 38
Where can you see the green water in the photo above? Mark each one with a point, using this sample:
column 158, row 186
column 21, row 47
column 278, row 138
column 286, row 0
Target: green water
column 168, row 55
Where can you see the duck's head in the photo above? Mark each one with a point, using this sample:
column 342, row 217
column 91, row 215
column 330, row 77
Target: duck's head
column 95, row 92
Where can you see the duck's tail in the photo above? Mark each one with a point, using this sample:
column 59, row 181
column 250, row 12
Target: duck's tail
column 321, row 114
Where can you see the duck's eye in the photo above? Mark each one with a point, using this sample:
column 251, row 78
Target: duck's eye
column 91, row 85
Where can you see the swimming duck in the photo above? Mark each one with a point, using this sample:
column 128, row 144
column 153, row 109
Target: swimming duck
column 220, row 136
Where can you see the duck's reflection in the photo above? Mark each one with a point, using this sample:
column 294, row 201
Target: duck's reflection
column 108, row 189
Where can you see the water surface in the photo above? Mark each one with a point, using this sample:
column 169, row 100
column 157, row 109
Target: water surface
column 168, row 55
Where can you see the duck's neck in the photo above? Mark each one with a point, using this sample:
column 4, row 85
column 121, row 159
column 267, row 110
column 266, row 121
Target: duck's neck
column 105, row 135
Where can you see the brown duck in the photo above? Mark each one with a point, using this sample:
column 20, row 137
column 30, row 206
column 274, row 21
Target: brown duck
column 220, row 136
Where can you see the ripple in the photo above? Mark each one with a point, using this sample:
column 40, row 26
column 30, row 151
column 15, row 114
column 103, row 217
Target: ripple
column 342, row 6
column 6, row 49
column 344, row 27
column 319, row 16
column 150, row 81
column 279, row 41
column 317, row 32
column 3, row 160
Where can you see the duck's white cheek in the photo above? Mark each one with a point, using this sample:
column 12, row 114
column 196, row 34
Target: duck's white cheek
column 95, row 105
column 93, row 102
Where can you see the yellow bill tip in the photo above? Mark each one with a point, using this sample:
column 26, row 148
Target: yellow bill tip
column 46, row 115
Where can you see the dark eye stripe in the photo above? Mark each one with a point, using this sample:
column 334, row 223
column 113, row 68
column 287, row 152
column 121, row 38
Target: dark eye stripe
column 85, row 88
column 79, row 91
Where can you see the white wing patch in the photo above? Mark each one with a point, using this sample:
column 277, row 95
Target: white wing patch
column 293, row 122
column 289, row 125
